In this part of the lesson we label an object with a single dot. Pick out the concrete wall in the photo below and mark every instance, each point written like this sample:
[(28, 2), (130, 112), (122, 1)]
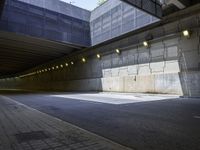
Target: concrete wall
[(171, 65)]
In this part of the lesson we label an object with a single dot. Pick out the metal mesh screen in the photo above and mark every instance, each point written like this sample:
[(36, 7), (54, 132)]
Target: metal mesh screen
[(28, 19), (116, 18)]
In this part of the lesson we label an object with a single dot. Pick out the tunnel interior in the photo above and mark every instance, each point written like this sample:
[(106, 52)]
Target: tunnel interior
[(125, 76)]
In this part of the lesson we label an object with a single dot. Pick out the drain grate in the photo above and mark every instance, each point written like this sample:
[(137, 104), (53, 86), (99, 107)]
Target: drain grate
[(30, 136)]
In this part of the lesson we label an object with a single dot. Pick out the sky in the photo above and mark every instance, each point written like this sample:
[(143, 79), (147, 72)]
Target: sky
[(86, 4)]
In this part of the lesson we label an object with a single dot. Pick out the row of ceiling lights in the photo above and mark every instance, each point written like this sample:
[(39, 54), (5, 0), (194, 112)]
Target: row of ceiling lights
[(62, 66), (185, 33)]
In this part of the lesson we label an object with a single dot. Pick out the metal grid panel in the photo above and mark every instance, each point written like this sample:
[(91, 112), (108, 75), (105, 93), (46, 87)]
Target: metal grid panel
[(23, 18), (116, 20), (61, 8)]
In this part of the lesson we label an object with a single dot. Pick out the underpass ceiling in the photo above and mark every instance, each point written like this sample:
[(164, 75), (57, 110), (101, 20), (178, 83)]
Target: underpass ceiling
[(19, 53)]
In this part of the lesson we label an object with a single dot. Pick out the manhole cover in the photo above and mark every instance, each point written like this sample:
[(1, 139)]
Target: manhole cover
[(30, 136)]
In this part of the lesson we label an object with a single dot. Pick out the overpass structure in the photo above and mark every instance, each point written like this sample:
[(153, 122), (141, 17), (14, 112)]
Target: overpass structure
[(118, 46)]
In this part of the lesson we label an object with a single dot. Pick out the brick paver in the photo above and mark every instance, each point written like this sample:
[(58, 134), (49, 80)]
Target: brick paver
[(24, 128)]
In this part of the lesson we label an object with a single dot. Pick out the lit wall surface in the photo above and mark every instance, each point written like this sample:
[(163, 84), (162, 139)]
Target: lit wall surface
[(48, 19)]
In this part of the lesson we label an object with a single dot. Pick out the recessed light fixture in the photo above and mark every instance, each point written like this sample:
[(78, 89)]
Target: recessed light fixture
[(146, 44), (98, 56), (66, 64), (83, 60), (117, 51), (72, 63), (61, 66), (186, 33)]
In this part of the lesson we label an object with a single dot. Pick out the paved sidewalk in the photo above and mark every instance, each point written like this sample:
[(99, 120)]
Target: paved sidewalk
[(23, 128)]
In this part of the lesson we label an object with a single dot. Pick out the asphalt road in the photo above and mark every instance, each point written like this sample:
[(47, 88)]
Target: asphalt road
[(167, 124)]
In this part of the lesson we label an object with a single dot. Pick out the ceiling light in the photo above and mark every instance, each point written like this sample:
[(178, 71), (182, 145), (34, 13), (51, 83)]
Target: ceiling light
[(61, 66), (66, 64), (72, 62), (49, 69), (53, 68), (57, 67)]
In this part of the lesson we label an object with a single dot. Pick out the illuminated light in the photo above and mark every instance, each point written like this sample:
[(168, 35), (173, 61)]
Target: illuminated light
[(42, 70), (61, 66), (57, 67), (49, 69), (83, 60), (66, 64), (146, 44), (45, 70), (72, 63), (186, 33), (98, 56), (53, 68), (117, 51)]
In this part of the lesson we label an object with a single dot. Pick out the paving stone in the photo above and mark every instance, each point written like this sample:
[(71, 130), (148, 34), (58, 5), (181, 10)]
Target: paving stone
[(23, 128)]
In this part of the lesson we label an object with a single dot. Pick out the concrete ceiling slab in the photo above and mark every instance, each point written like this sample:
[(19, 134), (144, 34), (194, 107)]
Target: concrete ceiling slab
[(19, 52)]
